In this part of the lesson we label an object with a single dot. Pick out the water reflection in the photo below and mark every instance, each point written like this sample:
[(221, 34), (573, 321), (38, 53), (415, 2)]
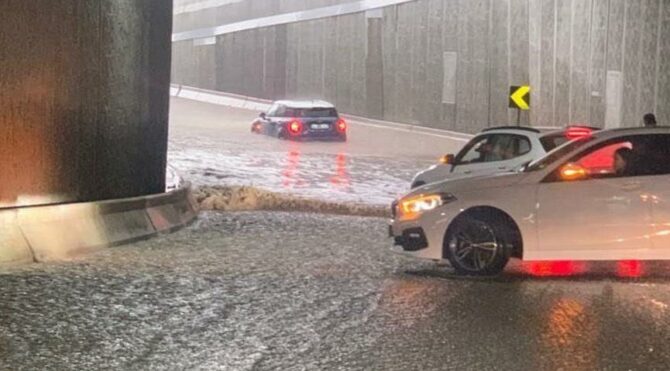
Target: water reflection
[(570, 332), (290, 176), (341, 178), (300, 171)]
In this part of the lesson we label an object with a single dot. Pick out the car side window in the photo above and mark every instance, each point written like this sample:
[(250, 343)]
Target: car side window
[(494, 147), (272, 112), (601, 162), (474, 151), (636, 155)]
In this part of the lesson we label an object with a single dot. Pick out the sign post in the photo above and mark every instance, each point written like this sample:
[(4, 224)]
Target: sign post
[(519, 98)]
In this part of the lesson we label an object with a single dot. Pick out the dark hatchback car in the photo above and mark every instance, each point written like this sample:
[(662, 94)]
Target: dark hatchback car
[(298, 120)]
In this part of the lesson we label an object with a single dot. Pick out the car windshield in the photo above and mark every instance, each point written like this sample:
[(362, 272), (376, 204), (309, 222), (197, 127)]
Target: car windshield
[(557, 154)]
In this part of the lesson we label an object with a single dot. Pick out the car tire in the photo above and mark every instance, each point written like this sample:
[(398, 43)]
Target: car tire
[(477, 246)]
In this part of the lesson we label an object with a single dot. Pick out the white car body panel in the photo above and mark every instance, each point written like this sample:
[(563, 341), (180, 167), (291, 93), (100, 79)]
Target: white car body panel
[(618, 218)]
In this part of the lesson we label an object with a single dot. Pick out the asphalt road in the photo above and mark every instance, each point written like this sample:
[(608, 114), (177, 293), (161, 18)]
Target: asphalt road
[(279, 291), (212, 145)]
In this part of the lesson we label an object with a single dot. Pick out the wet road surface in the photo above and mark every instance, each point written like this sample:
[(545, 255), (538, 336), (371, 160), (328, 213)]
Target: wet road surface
[(278, 291), (212, 145)]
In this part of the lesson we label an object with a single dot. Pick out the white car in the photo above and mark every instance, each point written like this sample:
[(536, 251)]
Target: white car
[(496, 150), (600, 197)]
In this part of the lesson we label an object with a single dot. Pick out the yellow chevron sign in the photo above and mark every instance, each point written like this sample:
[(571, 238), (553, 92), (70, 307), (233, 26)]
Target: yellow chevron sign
[(519, 97)]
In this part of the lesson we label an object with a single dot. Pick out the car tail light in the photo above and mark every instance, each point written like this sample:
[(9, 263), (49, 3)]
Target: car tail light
[(577, 132), (341, 125), (630, 269), (295, 127)]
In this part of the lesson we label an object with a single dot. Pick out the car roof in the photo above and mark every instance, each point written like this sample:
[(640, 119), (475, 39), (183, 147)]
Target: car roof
[(614, 133), (305, 104), (511, 128), (534, 131)]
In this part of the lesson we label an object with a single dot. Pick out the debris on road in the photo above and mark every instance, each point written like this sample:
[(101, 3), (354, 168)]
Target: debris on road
[(242, 198)]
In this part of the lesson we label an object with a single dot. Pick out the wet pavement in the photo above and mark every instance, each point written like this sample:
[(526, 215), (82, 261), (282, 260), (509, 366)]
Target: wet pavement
[(278, 291), (212, 146)]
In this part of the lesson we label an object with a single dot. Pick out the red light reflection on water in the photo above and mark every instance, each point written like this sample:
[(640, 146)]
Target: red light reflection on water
[(289, 178), (341, 177)]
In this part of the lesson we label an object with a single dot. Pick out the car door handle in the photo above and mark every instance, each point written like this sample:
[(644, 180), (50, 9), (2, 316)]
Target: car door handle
[(502, 168), (632, 186), (467, 172)]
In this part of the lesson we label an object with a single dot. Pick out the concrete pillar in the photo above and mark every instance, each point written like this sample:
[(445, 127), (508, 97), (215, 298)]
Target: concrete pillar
[(84, 97), (374, 66)]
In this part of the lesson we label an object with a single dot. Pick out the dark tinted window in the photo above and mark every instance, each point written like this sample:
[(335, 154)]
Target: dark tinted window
[(306, 112), (550, 142)]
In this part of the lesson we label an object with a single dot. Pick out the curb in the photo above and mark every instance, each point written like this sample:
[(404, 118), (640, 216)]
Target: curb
[(258, 104), (59, 232)]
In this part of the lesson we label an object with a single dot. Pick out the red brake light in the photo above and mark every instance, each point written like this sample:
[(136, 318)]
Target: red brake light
[(578, 132), (630, 269), (341, 125), (295, 127)]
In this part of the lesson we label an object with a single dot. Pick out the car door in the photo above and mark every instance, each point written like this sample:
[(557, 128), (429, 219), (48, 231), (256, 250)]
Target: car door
[(655, 166), (491, 153), (606, 216), (269, 122)]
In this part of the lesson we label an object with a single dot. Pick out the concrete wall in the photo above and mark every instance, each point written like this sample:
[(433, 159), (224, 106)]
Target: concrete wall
[(193, 14), (84, 96), (449, 63)]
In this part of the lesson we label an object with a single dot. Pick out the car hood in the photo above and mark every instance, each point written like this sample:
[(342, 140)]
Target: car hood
[(470, 184)]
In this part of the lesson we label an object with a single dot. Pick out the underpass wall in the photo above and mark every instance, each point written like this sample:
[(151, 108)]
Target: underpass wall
[(448, 63)]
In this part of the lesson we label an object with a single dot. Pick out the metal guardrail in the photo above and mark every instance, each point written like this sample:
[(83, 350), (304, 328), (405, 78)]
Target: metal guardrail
[(275, 20)]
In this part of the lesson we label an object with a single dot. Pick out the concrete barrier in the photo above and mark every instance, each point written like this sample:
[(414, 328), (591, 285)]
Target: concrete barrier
[(58, 232)]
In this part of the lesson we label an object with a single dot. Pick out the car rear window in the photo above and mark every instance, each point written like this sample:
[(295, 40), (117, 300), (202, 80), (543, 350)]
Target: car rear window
[(550, 142), (307, 112)]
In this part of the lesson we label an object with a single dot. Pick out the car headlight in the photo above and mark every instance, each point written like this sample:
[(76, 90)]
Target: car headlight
[(412, 207)]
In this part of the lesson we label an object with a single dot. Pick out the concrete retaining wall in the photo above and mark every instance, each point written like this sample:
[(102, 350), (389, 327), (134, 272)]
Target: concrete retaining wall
[(48, 233), (449, 63)]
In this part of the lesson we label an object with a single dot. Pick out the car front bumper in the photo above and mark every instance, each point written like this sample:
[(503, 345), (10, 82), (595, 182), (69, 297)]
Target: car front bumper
[(424, 237)]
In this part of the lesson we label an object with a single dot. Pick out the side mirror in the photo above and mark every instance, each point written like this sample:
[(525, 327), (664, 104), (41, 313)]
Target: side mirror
[(447, 159), (572, 172), (262, 115)]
